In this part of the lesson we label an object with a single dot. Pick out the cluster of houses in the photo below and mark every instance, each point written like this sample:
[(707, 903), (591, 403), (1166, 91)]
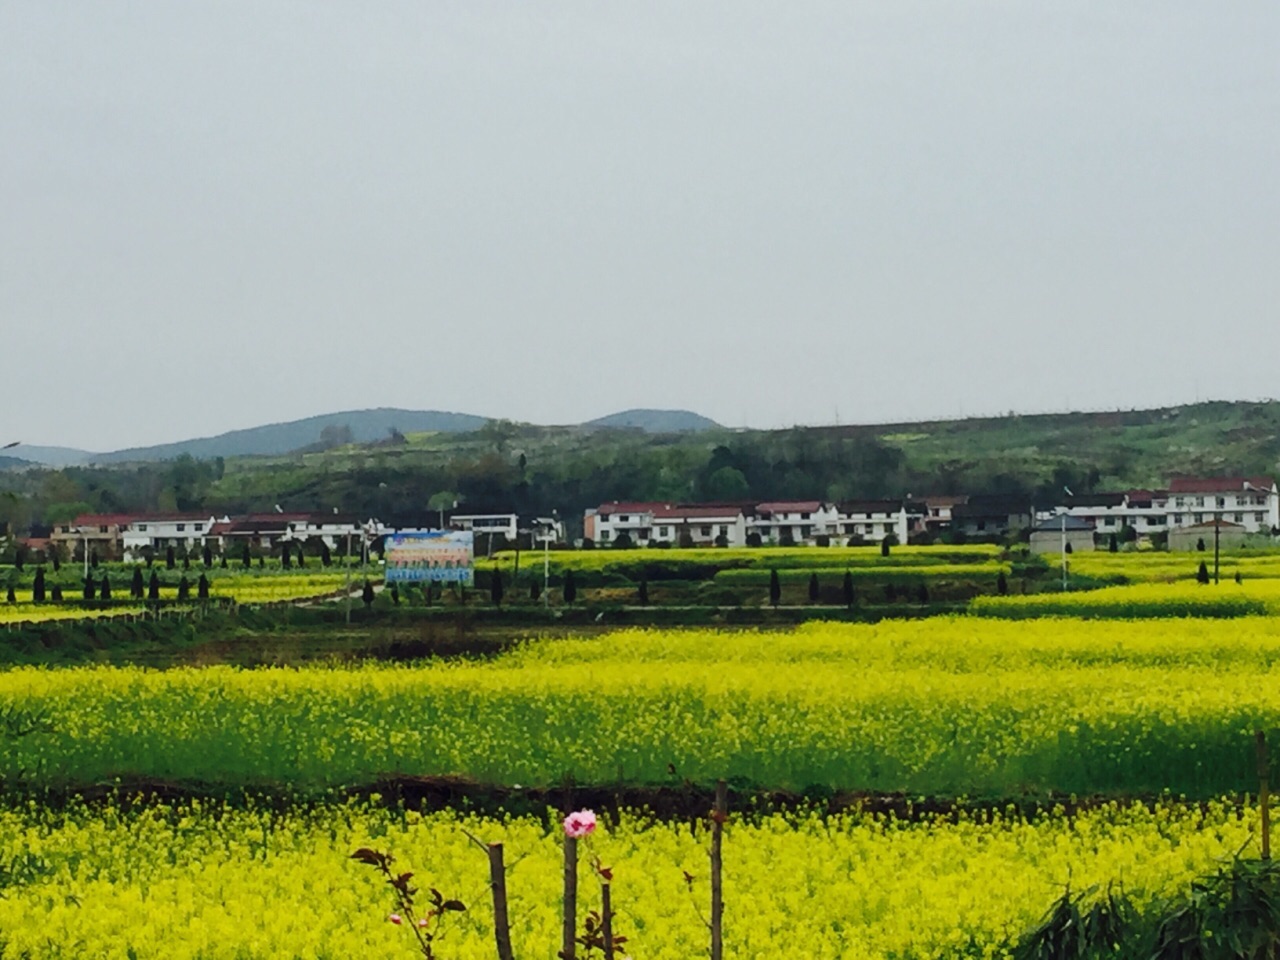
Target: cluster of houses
[(132, 536), (1191, 509), (1190, 513)]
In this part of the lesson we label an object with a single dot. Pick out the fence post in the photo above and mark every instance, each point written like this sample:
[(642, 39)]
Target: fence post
[(569, 950), (718, 817), (1264, 793), (606, 919), (498, 882)]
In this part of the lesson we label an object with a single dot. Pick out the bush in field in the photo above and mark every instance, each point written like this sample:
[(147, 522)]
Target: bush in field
[(366, 595), (136, 588), (495, 588), (1202, 574), (570, 587), (885, 545), (846, 590), (104, 589), (753, 539), (814, 590), (184, 588), (153, 587), (1002, 584), (170, 559), (775, 588), (623, 541), (202, 587), (37, 588), (643, 593)]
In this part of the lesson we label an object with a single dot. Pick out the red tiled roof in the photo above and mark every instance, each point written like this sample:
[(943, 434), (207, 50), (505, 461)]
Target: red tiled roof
[(104, 519), (790, 506), (1217, 484), (696, 511), (630, 507)]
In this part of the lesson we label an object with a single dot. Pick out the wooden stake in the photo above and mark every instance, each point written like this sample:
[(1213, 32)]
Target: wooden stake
[(1264, 793), (718, 817), (606, 919), (498, 883), (569, 948)]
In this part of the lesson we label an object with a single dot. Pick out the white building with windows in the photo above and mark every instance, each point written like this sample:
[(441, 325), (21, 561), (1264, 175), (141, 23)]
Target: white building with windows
[(874, 520), (703, 525), (794, 521), (185, 532), (1249, 502), (333, 530)]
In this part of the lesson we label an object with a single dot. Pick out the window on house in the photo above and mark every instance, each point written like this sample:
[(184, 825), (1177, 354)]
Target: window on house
[(982, 524), (724, 531), (604, 534), (664, 532), (706, 530), (182, 527), (1222, 502), (804, 516), (623, 519), (1239, 518), (1198, 517), (142, 527), (199, 527), (644, 533), (804, 531), (1259, 517)]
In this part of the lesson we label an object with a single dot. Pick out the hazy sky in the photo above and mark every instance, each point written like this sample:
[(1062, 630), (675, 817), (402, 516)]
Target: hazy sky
[(214, 215)]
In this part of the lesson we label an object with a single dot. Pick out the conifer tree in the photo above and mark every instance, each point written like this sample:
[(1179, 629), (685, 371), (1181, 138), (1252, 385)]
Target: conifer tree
[(1202, 575), (37, 587), (90, 589), (495, 587), (137, 589), (56, 593), (813, 588), (244, 555), (184, 588), (170, 560), (153, 588), (202, 587), (643, 592), (104, 591), (367, 595), (846, 590), (775, 589), (570, 587), (207, 556)]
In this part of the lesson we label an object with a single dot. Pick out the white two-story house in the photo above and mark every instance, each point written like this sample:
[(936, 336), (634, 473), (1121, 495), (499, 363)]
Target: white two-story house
[(185, 532), (874, 520), (1250, 502), (794, 521)]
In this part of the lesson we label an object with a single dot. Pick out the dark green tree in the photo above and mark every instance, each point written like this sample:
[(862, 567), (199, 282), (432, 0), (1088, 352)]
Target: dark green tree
[(55, 558), (104, 589), (202, 587), (775, 589), (1200, 544), (90, 588), (495, 587), (847, 591), (302, 557), (223, 562), (884, 546), (535, 590), (93, 559), (184, 588), (37, 587), (1002, 584), (262, 562), (136, 589), (326, 557), (11, 595), (56, 593), (245, 558), (367, 595), (286, 556), (395, 594), (570, 587), (153, 587), (19, 557), (814, 591), (207, 556), (643, 592), (170, 559), (1113, 545), (1202, 575), (186, 560)]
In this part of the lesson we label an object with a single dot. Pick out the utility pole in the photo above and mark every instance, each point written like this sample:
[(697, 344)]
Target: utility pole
[(346, 562), (1217, 534), (1065, 509)]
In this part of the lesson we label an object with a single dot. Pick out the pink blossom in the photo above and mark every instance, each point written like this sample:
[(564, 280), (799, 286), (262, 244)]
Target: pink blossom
[(396, 918), (422, 922), (579, 824)]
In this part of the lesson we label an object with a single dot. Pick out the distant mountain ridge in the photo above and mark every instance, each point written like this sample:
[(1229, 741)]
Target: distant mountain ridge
[(279, 438), (366, 426), (656, 421)]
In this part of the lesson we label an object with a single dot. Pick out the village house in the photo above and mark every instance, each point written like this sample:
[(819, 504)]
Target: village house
[(1250, 502), (1200, 536), (1063, 532), (102, 533), (185, 532), (874, 520), (794, 521), (702, 525)]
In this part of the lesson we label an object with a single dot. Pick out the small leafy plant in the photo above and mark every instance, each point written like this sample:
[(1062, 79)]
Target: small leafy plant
[(425, 925)]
